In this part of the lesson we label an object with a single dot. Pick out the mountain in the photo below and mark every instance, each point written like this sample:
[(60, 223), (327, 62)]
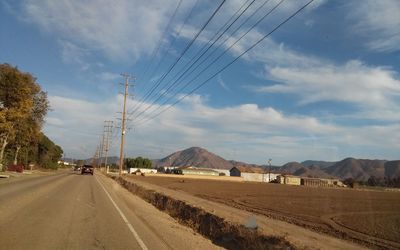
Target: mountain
[(320, 164), (392, 169), (358, 169), (194, 156), (299, 169), (291, 167)]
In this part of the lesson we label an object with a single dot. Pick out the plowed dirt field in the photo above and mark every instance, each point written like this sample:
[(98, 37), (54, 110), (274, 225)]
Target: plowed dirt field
[(367, 216)]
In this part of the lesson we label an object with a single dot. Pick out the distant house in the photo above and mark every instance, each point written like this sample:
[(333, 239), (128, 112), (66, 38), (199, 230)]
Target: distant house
[(198, 171), (143, 170), (253, 174), (224, 172), (320, 182), (289, 179)]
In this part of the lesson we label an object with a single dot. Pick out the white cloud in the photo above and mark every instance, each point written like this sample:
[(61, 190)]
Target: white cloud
[(378, 22), (244, 132), (375, 90), (222, 83), (121, 30), (73, 54), (353, 83), (109, 76)]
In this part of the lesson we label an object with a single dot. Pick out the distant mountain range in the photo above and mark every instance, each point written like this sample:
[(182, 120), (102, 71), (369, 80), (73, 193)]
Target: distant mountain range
[(199, 157), (358, 169)]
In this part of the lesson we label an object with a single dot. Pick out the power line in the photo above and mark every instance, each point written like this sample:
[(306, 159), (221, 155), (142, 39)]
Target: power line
[(155, 51), (216, 59), (184, 51), (170, 45), (229, 64), (203, 53)]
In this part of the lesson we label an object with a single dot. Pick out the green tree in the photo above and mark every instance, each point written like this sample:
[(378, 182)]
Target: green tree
[(138, 162), (23, 106), (48, 153)]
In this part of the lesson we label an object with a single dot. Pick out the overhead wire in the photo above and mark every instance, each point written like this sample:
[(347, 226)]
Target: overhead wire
[(160, 42), (202, 52), (227, 65), (162, 57), (223, 53), (175, 83), (184, 51)]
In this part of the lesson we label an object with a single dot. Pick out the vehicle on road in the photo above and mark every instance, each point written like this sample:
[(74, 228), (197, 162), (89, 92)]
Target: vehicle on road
[(77, 168), (87, 169)]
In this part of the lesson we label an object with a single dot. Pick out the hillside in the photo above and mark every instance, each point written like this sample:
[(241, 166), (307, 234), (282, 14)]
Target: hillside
[(320, 164), (194, 156), (392, 169), (358, 169), (299, 169)]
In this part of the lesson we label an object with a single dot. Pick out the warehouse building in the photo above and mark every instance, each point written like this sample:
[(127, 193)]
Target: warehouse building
[(253, 174), (143, 170), (320, 182), (289, 179), (198, 171), (222, 172)]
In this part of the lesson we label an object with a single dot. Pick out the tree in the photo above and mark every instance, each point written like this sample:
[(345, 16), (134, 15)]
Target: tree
[(349, 182), (23, 108), (372, 181), (138, 162), (48, 153)]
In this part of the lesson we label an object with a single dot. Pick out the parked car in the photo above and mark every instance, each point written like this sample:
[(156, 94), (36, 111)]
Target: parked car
[(87, 169)]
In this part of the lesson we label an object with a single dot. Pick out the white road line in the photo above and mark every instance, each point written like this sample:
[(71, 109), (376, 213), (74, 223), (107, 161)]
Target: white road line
[(133, 231)]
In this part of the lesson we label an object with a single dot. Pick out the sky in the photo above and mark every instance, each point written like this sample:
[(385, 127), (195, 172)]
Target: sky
[(324, 85)]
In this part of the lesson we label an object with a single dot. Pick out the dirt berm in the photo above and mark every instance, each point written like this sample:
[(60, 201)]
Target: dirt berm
[(230, 227)]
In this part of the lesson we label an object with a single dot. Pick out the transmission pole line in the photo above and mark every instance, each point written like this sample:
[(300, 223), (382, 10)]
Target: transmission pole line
[(96, 155), (108, 126), (123, 124), (101, 148)]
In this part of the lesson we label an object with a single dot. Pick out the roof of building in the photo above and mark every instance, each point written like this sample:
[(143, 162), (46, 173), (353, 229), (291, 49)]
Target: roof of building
[(254, 170), (292, 176), (191, 168)]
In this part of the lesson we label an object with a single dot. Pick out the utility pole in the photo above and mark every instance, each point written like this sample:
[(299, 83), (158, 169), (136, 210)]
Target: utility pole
[(101, 145), (108, 126), (123, 129), (96, 155), (269, 170)]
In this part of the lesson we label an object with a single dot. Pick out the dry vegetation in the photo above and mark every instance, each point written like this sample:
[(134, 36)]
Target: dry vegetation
[(371, 217)]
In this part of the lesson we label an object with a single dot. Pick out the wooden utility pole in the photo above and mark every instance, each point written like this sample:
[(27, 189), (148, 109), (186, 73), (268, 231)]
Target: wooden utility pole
[(123, 129)]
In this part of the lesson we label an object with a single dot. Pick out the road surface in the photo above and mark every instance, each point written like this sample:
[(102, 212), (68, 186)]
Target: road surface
[(72, 211)]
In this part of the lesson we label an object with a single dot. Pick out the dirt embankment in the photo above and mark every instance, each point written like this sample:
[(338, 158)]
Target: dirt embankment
[(221, 232)]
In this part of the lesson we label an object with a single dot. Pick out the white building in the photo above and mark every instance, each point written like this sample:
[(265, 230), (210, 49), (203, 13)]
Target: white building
[(226, 172), (143, 170), (253, 174)]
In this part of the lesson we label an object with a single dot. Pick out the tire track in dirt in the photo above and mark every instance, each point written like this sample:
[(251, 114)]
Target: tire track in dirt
[(330, 219), (324, 224)]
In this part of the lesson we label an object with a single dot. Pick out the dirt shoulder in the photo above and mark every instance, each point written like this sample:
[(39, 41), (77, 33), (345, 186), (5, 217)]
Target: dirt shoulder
[(295, 236)]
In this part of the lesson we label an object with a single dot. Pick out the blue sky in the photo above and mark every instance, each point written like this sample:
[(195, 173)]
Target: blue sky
[(324, 86)]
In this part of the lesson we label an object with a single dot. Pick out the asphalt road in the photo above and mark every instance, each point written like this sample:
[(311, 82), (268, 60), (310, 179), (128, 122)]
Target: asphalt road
[(72, 211)]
